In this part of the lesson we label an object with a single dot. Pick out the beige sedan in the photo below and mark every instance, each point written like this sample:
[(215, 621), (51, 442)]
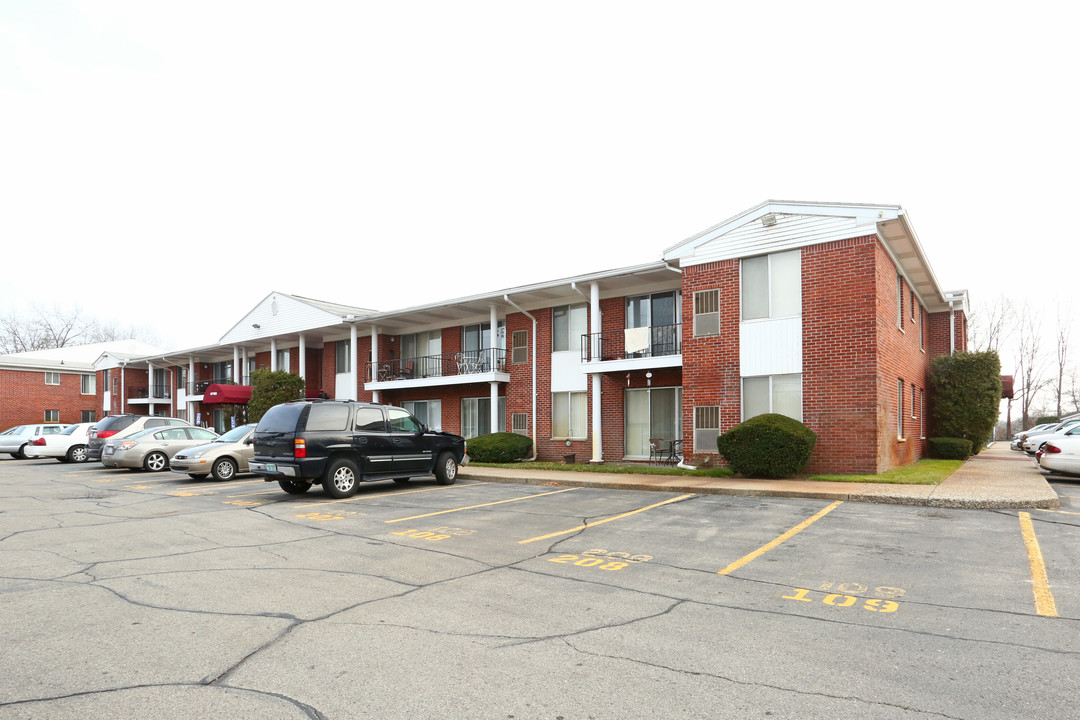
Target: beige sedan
[(152, 449), (222, 458)]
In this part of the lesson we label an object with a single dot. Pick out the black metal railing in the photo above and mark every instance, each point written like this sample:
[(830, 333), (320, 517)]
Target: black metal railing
[(657, 341), (429, 366), (199, 388), (143, 392)]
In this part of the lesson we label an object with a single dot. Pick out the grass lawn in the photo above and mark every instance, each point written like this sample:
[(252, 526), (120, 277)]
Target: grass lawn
[(924, 472)]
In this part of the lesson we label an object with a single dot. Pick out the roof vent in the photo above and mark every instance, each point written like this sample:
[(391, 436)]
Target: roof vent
[(768, 219)]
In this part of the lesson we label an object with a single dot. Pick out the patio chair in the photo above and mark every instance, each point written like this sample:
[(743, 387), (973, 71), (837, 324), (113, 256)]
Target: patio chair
[(658, 450)]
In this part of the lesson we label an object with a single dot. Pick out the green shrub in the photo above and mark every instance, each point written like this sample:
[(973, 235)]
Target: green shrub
[(965, 392), (767, 446), (1046, 419), (950, 448), (272, 388), (500, 447)]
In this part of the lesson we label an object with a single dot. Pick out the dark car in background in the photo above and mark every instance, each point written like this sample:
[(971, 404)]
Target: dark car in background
[(122, 426), (341, 443)]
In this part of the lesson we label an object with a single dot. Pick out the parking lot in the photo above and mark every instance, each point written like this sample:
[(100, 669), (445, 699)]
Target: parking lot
[(131, 594)]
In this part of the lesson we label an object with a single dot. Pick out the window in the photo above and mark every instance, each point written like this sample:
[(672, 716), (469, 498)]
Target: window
[(327, 416), (922, 331), (115, 384), (222, 372), (520, 346), (569, 415), (282, 360), (343, 356), (369, 419), (913, 304), (88, 384), (706, 428), (52, 378), (922, 414), (520, 423), (771, 286), (428, 412), (424, 351), (52, 416), (88, 416), (781, 394), (914, 401), (568, 324), (900, 409), (476, 417), (706, 313), (900, 302)]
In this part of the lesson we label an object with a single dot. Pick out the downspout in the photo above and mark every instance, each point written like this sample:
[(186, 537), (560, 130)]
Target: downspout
[(123, 387), (952, 329), (522, 310)]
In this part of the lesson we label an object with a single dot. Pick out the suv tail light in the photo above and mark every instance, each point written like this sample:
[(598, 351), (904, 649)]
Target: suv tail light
[(299, 448), (1051, 448), (39, 442), (106, 433)]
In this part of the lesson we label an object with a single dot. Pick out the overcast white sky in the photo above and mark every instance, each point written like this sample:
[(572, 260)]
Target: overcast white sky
[(170, 164)]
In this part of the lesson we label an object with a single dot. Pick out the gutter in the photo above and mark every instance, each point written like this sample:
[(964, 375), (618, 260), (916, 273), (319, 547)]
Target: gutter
[(536, 449)]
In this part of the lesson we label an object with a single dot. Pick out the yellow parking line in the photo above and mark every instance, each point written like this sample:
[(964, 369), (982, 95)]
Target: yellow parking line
[(606, 520), (399, 492), (1040, 585), (473, 507), (1061, 512), (786, 536), (264, 492)]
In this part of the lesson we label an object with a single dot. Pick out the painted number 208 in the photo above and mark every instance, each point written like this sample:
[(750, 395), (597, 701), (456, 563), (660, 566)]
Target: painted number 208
[(595, 562)]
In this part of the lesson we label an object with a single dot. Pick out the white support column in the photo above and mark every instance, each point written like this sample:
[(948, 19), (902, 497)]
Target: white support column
[(150, 389), (376, 395), (273, 354), (190, 390), (303, 358), (594, 378), (354, 387), (493, 351), (244, 370), (236, 364)]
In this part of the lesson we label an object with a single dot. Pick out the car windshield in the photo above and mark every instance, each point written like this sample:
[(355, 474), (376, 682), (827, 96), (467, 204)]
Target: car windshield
[(13, 431), (69, 430), (235, 435)]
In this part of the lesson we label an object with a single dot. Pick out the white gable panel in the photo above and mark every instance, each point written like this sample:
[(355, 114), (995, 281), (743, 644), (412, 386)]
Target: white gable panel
[(789, 232), (279, 314)]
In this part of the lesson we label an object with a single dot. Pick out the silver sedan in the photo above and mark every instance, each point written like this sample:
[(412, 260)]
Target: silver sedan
[(152, 449)]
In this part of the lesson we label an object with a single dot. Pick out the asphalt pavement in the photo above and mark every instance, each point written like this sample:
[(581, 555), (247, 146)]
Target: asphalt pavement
[(995, 478)]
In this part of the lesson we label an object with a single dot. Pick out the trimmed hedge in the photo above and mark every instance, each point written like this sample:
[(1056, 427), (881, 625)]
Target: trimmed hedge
[(500, 447), (950, 448), (272, 388), (965, 392), (768, 446)]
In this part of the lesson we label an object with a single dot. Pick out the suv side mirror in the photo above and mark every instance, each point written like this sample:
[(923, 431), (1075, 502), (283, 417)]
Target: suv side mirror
[(423, 428)]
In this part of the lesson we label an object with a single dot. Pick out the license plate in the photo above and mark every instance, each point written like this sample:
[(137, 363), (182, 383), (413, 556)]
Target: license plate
[(270, 467)]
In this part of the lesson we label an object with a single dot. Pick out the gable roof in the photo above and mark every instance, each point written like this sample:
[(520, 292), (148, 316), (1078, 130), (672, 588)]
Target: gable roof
[(281, 313), (779, 225)]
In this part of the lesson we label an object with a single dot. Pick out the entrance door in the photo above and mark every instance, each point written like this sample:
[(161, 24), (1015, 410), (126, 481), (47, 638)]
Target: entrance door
[(651, 413)]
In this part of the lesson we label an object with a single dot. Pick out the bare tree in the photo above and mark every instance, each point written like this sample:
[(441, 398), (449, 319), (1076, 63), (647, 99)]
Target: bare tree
[(989, 323), (1064, 330), (1031, 365), (45, 329)]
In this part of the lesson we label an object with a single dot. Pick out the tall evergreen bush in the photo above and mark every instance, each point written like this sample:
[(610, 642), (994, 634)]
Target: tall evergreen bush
[(965, 392), (270, 388)]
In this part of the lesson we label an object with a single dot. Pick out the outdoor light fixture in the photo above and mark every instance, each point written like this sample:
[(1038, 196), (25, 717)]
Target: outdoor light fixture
[(768, 219), (256, 325)]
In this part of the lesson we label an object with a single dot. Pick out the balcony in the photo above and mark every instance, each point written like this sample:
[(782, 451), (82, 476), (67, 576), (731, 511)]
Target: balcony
[(434, 370), (146, 394), (635, 348)]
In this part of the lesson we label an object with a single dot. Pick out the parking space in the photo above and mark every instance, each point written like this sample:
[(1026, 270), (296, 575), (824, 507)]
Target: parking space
[(737, 592)]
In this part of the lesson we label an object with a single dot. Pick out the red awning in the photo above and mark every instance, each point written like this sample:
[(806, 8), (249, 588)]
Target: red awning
[(227, 394)]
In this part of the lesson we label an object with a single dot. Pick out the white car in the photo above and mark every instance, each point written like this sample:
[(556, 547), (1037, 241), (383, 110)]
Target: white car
[(68, 445), (1066, 429), (1060, 455), (1018, 437), (14, 440)]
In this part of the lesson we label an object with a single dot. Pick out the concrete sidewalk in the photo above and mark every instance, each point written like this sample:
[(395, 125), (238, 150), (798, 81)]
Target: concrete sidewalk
[(995, 478)]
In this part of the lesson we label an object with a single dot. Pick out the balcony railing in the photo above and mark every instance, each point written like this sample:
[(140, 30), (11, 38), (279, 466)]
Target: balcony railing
[(657, 341), (143, 392), (471, 362)]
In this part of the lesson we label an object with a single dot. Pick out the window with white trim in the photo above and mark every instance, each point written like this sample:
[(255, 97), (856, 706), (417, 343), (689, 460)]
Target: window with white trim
[(706, 427), (342, 356), (52, 378), (900, 301), (476, 416), (283, 360), (519, 347), (900, 408), (568, 324), (428, 412), (770, 286), (569, 415), (52, 416), (88, 384), (706, 313), (781, 394), (88, 416)]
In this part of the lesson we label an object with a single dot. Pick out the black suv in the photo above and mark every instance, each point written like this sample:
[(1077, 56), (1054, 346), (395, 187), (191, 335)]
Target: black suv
[(342, 443)]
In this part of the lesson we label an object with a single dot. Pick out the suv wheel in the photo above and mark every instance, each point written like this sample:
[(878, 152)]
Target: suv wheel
[(446, 469), (340, 480)]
